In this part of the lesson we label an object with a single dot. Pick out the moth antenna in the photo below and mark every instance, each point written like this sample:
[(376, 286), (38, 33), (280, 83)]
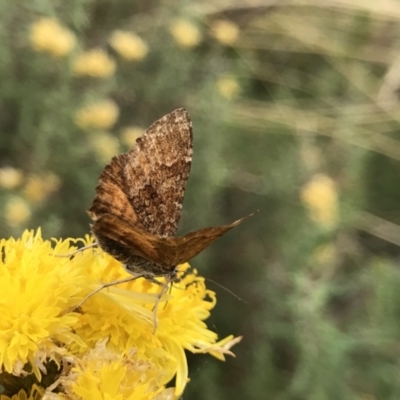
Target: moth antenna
[(227, 290)]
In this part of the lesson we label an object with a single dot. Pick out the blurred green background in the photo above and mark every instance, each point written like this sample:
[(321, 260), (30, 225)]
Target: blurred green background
[(295, 108)]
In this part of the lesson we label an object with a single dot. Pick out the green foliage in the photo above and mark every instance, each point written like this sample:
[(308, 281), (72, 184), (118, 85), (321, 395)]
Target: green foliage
[(296, 117)]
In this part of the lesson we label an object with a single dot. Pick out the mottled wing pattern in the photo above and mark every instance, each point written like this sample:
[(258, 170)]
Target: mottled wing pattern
[(110, 193), (146, 186), (168, 252)]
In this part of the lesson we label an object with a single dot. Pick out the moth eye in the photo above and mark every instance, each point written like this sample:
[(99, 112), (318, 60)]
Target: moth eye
[(153, 195)]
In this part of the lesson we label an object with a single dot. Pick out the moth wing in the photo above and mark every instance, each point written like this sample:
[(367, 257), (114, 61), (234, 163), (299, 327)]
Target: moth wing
[(138, 242), (146, 186), (168, 252), (188, 246), (111, 193)]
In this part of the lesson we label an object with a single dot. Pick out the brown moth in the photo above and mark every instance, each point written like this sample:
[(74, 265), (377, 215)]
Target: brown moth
[(139, 200)]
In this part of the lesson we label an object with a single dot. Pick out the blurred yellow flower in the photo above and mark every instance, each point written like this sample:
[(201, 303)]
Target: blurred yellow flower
[(319, 195), (128, 45), (49, 36), (10, 177), (101, 115), (228, 86), (225, 31), (130, 134), (17, 211), (39, 187), (96, 63), (185, 33), (105, 146), (110, 342)]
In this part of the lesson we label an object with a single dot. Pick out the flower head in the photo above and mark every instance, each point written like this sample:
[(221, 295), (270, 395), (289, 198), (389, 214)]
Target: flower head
[(10, 177), (185, 33), (226, 32), (17, 211), (228, 86), (105, 146), (109, 344), (319, 195), (49, 36), (102, 373), (128, 45), (101, 115), (115, 313), (32, 324), (96, 63), (39, 187)]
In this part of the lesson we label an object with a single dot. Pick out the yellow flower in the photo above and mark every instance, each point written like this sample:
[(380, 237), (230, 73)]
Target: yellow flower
[(128, 45), (225, 31), (38, 188), (228, 86), (101, 373), (105, 146), (17, 211), (10, 177), (185, 33), (101, 115), (319, 195), (109, 342), (49, 36), (130, 134), (95, 63), (115, 313), (35, 287)]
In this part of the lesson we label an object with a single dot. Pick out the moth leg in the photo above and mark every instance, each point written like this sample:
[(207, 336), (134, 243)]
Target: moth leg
[(105, 285), (164, 289), (171, 284), (89, 246)]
